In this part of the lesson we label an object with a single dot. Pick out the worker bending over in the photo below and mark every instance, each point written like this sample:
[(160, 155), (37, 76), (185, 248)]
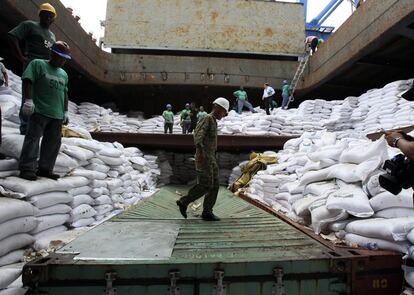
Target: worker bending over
[(168, 116), (45, 100), (37, 39), (185, 119), (267, 97), (205, 140), (242, 100)]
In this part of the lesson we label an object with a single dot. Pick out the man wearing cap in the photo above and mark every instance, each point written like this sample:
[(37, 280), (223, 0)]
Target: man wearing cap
[(205, 140), (46, 102), (168, 116), (185, 119), (36, 39), (285, 94)]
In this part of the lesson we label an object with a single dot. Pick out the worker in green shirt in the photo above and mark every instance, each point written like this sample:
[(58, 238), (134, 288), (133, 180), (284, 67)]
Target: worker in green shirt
[(45, 100), (168, 116), (242, 101), (285, 94), (205, 140), (185, 118), (37, 39), (201, 114)]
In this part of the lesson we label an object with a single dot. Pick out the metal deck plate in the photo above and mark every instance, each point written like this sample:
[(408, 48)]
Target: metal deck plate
[(125, 241)]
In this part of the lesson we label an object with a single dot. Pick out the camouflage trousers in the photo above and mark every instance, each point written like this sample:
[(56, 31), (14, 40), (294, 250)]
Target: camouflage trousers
[(207, 184)]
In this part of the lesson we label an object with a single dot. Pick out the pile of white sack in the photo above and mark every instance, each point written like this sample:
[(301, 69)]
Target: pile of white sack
[(179, 168), (329, 182), (98, 180)]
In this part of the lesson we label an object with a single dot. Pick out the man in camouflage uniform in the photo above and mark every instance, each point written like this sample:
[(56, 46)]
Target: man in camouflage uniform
[(205, 140)]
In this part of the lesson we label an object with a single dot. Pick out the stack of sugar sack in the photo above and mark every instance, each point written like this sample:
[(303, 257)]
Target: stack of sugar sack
[(156, 125), (340, 116), (183, 168), (11, 280), (139, 175), (17, 220), (95, 118), (234, 123), (226, 162), (387, 109), (236, 172), (50, 197), (12, 146), (165, 168)]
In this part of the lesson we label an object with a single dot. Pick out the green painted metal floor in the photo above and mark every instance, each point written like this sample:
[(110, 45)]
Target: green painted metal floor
[(245, 233)]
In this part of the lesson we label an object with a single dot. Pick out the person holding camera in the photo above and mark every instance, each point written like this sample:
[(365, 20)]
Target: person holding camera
[(401, 141)]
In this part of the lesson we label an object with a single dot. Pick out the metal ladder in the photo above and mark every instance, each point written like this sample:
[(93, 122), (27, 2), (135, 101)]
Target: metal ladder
[(303, 61)]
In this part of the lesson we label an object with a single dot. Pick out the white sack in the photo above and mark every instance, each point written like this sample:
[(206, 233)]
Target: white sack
[(15, 242), (17, 225), (11, 208)]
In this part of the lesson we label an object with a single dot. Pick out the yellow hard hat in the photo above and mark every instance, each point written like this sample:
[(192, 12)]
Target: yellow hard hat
[(47, 7)]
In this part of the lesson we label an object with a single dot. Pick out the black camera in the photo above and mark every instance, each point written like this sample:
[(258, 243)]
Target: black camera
[(400, 174)]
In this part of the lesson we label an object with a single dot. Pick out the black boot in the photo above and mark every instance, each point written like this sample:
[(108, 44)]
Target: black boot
[(28, 175), (47, 174), (183, 208), (209, 217)]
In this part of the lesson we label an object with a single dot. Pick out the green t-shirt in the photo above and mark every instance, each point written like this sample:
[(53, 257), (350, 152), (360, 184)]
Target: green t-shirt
[(185, 115), (37, 40), (201, 115), (49, 87), (168, 116), (285, 90), (240, 94)]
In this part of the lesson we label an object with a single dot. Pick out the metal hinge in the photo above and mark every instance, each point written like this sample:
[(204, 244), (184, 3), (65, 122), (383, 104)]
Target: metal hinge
[(278, 286), (219, 288), (173, 289), (109, 279)]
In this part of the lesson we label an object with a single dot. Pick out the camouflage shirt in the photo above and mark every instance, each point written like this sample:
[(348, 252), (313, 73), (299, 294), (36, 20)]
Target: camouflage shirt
[(205, 137)]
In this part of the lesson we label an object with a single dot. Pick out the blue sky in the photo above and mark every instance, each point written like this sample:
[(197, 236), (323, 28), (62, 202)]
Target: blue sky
[(93, 11)]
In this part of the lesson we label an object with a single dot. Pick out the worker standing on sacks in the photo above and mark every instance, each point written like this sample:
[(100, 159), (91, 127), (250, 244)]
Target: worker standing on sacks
[(45, 86), (185, 118), (205, 140), (37, 39), (267, 97), (285, 94), (168, 116)]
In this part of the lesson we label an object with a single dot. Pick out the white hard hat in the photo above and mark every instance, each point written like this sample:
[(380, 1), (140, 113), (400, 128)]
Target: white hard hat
[(224, 103), (1, 58)]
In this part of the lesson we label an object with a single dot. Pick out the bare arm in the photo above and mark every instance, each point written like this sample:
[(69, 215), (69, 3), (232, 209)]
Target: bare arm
[(14, 44), (66, 101), (27, 89), (6, 78), (406, 146)]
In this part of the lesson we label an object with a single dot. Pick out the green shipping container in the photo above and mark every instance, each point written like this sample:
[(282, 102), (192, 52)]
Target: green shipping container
[(151, 250)]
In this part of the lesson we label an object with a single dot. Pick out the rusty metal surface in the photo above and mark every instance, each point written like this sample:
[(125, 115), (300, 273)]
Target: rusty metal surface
[(214, 25), (370, 272), (377, 135), (185, 142), (375, 25)]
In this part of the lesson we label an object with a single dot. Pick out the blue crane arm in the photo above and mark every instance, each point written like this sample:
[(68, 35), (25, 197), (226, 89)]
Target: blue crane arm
[(326, 12)]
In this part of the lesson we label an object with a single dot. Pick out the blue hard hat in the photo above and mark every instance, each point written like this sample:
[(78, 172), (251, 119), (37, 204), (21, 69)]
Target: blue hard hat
[(285, 81), (169, 106)]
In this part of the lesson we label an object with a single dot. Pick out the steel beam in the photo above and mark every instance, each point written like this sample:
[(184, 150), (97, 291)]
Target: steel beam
[(185, 142)]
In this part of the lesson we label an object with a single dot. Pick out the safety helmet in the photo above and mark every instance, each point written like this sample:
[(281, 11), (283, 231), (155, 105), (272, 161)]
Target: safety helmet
[(47, 7), (187, 105), (1, 58), (224, 103), (62, 49), (285, 81), (169, 106)]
